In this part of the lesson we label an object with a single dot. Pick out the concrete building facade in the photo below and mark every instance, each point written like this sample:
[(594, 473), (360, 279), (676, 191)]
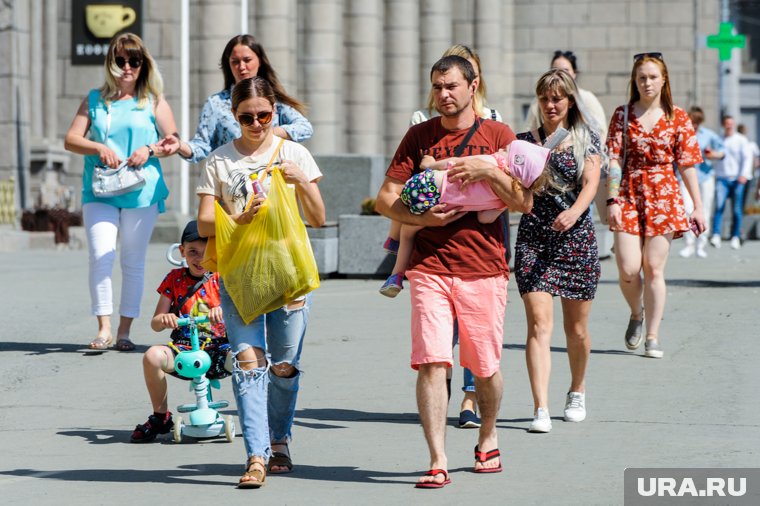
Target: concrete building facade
[(362, 66)]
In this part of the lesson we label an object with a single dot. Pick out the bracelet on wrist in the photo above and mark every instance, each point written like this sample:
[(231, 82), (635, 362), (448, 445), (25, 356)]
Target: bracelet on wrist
[(613, 200)]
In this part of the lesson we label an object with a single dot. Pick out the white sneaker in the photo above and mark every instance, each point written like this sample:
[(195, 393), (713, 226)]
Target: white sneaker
[(541, 422), (575, 407), (687, 251), (715, 240), (736, 243), (701, 253)]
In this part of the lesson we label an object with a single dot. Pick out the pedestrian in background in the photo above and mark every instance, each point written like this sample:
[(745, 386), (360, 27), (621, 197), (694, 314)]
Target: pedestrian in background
[(711, 146), (732, 173), (244, 57)]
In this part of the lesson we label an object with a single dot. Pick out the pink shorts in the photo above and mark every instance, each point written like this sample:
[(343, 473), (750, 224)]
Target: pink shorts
[(478, 306)]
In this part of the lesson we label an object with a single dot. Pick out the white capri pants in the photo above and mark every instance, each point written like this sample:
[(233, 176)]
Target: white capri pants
[(103, 224)]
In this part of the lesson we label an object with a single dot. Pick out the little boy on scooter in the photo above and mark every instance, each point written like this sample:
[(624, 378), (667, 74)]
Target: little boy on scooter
[(192, 291)]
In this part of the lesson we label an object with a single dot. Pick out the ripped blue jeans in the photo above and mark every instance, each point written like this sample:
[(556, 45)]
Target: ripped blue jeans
[(266, 402)]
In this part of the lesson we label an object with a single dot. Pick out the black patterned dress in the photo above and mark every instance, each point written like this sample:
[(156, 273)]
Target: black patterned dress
[(559, 263)]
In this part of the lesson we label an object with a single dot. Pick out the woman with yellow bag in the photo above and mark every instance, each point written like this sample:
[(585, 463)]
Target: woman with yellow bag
[(236, 178)]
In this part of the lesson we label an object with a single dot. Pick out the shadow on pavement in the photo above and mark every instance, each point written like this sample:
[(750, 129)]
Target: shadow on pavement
[(699, 283), (557, 349), (190, 475), (350, 415), (194, 474), (31, 348), (111, 436)]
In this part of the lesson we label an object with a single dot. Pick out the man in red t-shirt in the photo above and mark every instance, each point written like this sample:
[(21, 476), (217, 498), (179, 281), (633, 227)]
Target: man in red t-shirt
[(457, 270)]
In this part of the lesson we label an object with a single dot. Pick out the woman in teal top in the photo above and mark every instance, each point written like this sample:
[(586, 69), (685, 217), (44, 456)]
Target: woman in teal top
[(125, 119)]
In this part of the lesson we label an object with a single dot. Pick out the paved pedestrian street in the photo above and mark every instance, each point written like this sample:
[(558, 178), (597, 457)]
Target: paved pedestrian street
[(66, 413)]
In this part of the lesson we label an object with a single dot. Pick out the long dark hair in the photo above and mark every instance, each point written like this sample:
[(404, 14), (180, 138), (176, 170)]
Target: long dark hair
[(265, 70)]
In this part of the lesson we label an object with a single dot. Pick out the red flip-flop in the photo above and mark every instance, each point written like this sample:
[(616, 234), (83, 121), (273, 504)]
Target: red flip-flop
[(485, 457), (432, 484)]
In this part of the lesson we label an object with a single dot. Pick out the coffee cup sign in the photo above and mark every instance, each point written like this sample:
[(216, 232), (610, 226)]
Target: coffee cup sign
[(104, 21)]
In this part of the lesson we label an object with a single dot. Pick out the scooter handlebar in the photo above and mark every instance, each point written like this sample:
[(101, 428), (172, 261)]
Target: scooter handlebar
[(188, 320)]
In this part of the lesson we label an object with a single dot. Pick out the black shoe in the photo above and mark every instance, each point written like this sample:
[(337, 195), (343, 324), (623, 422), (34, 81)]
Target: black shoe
[(147, 432)]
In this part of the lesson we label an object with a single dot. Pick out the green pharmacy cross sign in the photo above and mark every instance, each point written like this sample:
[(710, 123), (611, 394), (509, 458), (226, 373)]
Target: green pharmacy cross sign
[(725, 40)]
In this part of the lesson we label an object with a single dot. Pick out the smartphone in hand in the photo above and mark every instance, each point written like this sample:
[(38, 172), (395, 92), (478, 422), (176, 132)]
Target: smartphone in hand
[(694, 227)]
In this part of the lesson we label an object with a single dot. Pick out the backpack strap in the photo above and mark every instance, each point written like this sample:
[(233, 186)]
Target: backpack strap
[(197, 286), (460, 149)]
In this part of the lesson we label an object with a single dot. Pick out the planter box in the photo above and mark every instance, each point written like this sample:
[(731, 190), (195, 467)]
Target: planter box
[(324, 243), (361, 241), (349, 179)]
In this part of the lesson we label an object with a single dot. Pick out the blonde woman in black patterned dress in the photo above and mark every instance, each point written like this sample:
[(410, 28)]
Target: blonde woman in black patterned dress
[(556, 252)]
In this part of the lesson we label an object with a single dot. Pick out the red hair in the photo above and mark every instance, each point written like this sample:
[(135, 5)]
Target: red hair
[(666, 97)]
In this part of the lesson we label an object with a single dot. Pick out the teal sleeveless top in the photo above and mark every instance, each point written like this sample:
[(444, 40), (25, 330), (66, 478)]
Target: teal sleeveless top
[(131, 128)]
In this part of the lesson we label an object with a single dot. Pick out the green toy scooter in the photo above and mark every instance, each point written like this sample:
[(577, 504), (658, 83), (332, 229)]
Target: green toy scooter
[(204, 419)]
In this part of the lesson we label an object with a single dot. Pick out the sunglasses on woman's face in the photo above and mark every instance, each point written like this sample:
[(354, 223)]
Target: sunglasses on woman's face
[(640, 56), (133, 61), (246, 119)]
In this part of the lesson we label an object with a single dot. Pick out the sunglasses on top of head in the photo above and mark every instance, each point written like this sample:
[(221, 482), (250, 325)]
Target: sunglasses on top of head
[(134, 62), (246, 119), (641, 56)]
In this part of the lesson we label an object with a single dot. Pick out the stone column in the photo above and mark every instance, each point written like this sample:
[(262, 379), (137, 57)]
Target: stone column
[(50, 95), (217, 22), (17, 122), (364, 73), (323, 72), (463, 12), (36, 66), (504, 97), (402, 75), (275, 28), (435, 37), (488, 44)]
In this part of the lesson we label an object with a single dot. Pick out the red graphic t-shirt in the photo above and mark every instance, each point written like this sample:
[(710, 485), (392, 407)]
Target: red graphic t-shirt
[(465, 248), (178, 283)]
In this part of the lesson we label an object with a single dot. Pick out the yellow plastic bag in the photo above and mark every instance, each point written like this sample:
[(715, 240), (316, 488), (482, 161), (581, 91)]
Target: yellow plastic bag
[(269, 262), (209, 256)]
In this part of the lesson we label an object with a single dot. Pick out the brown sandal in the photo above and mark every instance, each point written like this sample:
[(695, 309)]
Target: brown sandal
[(281, 459), (258, 473), (124, 344)]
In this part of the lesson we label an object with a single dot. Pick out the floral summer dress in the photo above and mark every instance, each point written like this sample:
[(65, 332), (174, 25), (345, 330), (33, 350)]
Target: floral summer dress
[(559, 263), (651, 199)]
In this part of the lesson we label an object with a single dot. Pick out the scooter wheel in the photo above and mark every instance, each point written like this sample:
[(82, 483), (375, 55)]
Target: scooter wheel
[(178, 430), (229, 428)]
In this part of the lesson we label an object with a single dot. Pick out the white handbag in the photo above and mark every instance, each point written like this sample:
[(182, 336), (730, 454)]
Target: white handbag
[(108, 182)]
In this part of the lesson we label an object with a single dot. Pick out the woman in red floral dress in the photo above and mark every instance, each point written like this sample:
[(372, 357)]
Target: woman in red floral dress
[(645, 207)]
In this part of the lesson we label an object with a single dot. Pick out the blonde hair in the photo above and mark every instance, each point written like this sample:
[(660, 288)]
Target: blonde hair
[(149, 82), (578, 124), (479, 97)]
